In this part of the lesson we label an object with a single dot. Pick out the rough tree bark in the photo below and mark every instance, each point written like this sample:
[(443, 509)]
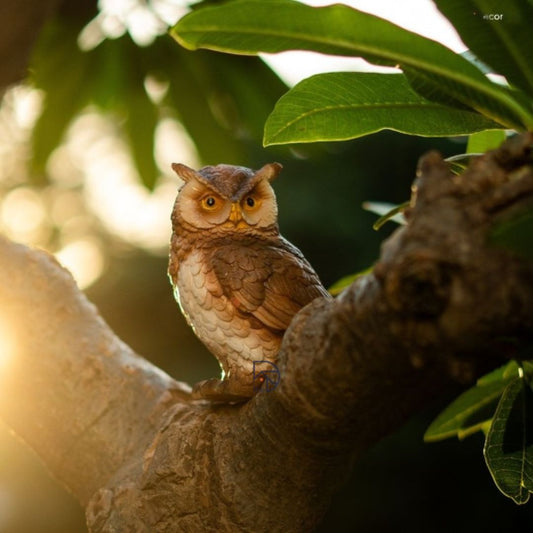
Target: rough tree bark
[(133, 447)]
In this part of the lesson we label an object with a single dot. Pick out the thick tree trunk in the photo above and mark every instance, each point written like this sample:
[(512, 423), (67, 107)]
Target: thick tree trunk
[(135, 449)]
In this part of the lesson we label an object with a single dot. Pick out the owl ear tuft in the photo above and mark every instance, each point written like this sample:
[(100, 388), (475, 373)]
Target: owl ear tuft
[(184, 172), (268, 172)]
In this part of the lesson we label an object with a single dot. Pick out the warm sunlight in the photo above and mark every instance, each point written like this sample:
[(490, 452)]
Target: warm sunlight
[(84, 259), (113, 191), (7, 342), (22, 214), (92, 180)]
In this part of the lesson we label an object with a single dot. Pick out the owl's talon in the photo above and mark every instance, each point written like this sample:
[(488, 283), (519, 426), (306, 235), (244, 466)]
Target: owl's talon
[(217, 390)]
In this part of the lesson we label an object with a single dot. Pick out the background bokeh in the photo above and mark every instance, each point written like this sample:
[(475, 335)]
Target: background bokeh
[(89, 190)]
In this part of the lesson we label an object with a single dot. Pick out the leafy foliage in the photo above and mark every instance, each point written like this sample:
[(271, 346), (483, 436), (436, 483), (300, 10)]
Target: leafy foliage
[(473, 409), (220, 102), (505, 47), (509, 444), (436, 73), (501, 405)]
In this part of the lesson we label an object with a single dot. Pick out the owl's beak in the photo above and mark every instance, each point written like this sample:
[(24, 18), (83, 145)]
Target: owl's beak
[(235, 215)]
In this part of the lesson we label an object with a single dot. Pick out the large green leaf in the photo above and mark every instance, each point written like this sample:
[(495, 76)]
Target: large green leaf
[(252, 26), (509, 445), (498, 34), (222, 101), (505, 372), (344, 105)]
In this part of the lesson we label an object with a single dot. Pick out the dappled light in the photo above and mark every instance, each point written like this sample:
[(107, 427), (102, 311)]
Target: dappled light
[(112, 189), (19, 109), (143, 21), (84, 259), (22, 215), (93, 187)]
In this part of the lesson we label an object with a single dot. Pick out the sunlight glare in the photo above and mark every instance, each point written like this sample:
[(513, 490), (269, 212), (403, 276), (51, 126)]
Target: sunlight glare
[(113, 190), (174, 145), (155, 88), (84, 259), (7, 342), (28, 105), (22, 215), (144, 21), (19, 109)]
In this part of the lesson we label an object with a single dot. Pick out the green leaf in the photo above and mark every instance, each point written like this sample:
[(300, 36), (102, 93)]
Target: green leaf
[(509, 444), (110, 76), (467, 413), (516, 234), (346, 281), (222, 101), (251, 26), (480, 142), (505, 43), (345, 105)]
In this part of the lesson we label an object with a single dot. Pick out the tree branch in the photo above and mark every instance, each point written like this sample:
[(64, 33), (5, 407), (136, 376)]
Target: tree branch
[(70, 388), (129, 441)]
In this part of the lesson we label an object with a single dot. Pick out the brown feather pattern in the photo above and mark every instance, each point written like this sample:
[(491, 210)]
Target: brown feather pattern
[(238, 282)]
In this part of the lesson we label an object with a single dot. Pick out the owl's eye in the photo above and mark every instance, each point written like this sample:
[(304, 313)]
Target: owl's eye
[(209, 203), (250, 202)]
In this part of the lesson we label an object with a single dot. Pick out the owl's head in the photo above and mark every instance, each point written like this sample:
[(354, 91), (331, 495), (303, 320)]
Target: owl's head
[(227, 197)]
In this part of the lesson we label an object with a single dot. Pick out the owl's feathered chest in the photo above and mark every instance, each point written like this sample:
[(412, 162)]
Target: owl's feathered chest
[(235, 337), (240, 294)]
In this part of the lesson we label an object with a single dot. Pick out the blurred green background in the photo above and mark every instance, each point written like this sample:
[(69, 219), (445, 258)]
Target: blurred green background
[(86, 145)]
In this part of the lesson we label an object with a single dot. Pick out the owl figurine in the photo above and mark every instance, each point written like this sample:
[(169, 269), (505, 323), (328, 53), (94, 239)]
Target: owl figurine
[(237, 281)]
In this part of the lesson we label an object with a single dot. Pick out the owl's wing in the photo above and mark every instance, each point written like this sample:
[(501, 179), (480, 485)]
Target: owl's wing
[(271, 282)]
